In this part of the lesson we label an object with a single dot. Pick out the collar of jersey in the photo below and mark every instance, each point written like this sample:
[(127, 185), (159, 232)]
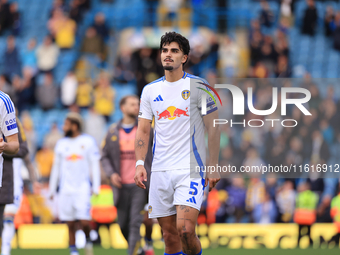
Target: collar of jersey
[(183, 77)]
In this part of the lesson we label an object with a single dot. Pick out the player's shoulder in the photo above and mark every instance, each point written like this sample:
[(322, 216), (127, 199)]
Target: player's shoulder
[(197, 79), (154, 83), (61, 143), (87, 139), (6, 103)]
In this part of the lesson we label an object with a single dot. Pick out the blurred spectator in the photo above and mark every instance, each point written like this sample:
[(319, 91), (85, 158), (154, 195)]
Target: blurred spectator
[(335, 27), (15, 19), (104, 96), (229, 57), (268, 54), (47, 55), (44, 160), (271, 185), (328, 20), (266, 212), (5, 15), (147, 67), (12, 64), (255, 47), (63, 29), (85, 5), (69, 89), (255, 194), (237, 198), (266, 15), (84, 98), (100, 26), (47, 93), (28, 56), (285, 200), (320, 149), (286, 10), (309, 19), (124, 67), (305, 214), (28, 126), (283, 69), (58, 5), (172, 8), (23, 94), (53, 136), (93, 46), (315, 101), (327, 132), (95, 126), (8, 89), (75, 12)]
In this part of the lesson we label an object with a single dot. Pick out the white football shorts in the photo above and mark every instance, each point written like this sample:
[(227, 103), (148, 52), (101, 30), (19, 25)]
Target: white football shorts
[(73, 207), (13, 208), (171, 188)]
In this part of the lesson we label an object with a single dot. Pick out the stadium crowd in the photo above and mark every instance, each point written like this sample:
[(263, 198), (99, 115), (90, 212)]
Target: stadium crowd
[(29, 78)]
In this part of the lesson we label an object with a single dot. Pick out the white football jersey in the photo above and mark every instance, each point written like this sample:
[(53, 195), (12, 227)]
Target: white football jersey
[(76, 160), (179, 127), (8, 124)]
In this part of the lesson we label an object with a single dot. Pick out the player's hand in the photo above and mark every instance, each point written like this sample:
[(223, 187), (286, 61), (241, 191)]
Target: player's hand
[(140, 176), (2, 145), (212, 179), (116, 180)]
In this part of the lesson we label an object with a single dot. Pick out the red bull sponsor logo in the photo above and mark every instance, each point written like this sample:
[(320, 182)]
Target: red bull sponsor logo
[(74, 157), (172, 113)]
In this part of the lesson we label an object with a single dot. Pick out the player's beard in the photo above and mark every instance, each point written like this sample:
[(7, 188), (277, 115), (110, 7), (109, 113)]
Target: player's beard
[(168, 68), (132, 115), (68, 133)]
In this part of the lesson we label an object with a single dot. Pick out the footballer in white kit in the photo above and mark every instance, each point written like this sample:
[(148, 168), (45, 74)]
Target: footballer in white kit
[(174, 101), (9, 129), (178, 127), (76, 170)]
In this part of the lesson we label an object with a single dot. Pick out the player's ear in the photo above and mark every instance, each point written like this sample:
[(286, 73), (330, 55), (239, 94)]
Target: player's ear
[(184, 59)]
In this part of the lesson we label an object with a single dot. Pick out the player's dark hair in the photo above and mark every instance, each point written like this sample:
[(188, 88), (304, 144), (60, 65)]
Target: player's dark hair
[(124, 99), (183, 42)]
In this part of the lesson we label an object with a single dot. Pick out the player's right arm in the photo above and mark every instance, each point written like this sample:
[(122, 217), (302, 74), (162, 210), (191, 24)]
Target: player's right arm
[(143, 136), (141, 149), (8, 127)]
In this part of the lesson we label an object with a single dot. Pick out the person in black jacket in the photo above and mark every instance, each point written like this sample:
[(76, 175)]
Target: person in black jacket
[(118, 162), (310, 19)]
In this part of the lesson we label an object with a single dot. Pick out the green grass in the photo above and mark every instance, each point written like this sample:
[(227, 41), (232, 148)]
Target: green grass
[(217, 251)]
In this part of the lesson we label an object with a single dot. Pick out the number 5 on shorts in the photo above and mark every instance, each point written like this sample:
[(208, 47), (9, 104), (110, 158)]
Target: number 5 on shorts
[(193, 186)]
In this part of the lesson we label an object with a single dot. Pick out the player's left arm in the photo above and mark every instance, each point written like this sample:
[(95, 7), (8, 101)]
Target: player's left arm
[(23, 146), (9, 129), (213, 147), (95, 167)]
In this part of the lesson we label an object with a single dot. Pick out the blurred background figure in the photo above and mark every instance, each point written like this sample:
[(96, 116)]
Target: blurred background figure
[(305, 211)]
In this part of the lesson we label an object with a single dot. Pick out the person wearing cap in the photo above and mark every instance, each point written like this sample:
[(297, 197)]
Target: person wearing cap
[(76, 160)]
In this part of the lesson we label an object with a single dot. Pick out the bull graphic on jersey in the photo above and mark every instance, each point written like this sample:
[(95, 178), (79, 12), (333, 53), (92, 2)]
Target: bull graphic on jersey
[(172, 113)]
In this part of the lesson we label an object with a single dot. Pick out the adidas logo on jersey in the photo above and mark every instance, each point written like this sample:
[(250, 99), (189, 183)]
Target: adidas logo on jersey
[(192, 200), (159, 98)]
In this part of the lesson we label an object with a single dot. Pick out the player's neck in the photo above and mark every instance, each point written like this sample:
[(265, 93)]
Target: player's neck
[(175, 75), (75, 135), (128, 120)]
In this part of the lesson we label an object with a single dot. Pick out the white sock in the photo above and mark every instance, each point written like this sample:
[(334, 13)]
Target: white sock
[(8, 233)]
